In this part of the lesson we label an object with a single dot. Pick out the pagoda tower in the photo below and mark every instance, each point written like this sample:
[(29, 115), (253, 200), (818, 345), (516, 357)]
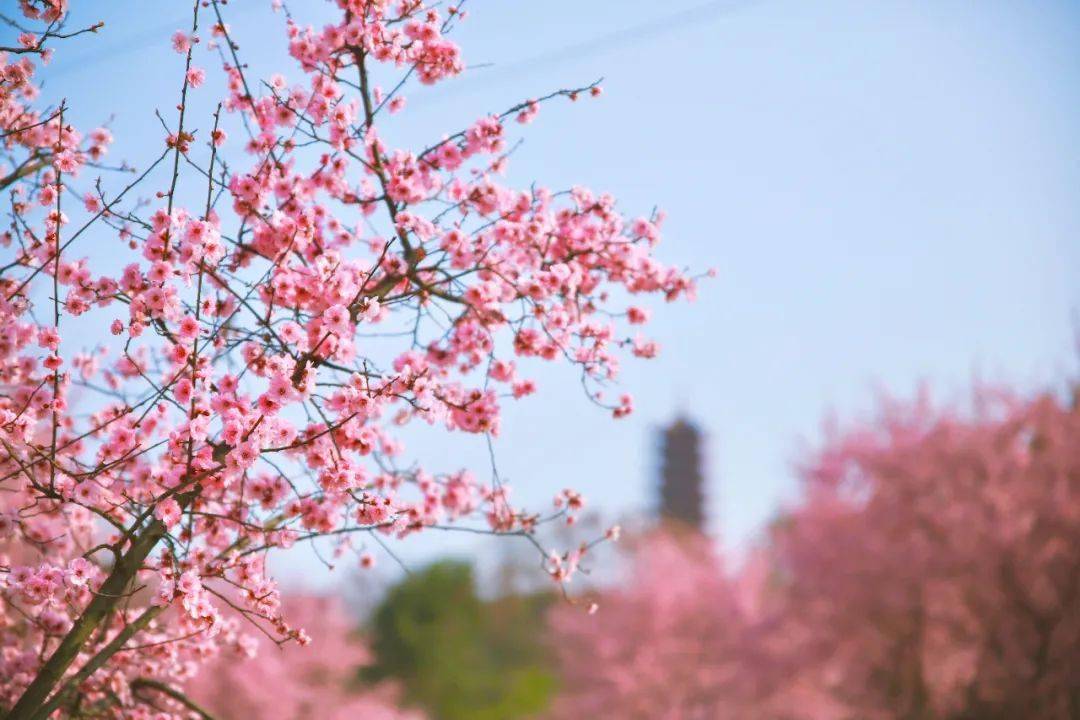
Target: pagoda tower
[(682, 481)]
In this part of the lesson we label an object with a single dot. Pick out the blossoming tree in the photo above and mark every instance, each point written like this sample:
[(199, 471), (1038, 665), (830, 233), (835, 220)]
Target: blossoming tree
[(293, 682), (663, 645), (934, 569), (242, 403), (932, 572)]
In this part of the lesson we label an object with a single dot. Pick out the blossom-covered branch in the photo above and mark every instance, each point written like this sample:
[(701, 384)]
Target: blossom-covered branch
[(268, 342)]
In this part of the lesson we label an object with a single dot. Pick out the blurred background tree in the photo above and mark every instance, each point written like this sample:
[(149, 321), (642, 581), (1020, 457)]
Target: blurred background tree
[(255, 677), (460, 656), (930, 570)]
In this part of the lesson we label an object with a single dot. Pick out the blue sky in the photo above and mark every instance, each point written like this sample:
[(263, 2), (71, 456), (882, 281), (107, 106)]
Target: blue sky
[(888, 191)]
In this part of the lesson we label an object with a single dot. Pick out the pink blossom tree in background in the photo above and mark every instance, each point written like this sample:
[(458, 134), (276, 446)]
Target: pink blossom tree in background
[(284, 290), (294, 681), (934, 569), (665, 645), (931, 572)]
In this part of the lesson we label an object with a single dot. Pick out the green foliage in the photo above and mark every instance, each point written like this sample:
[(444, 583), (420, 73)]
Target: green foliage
[(458, 656)]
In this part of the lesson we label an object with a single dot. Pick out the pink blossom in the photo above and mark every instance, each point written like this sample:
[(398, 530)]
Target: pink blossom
[(181, 42), (168, 512)]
